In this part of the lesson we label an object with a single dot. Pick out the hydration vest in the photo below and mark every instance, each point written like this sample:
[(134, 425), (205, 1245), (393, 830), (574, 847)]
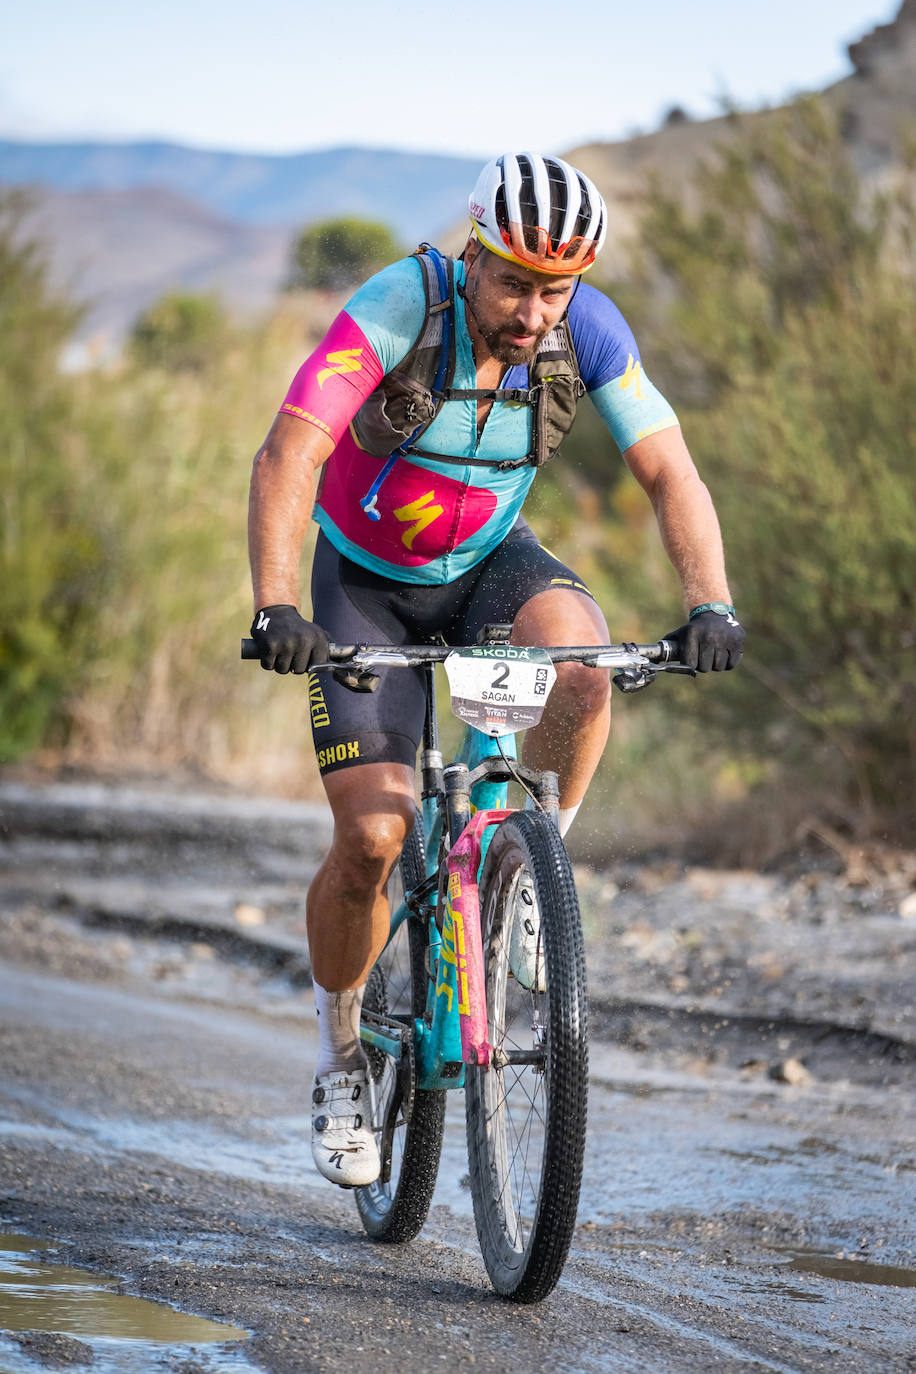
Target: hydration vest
[(408, 399)]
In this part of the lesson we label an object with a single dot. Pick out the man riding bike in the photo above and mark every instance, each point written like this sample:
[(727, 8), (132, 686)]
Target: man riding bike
[(411, 435)]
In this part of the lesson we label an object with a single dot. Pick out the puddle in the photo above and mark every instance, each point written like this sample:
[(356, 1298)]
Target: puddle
[(850, 1270), (121, 1332)]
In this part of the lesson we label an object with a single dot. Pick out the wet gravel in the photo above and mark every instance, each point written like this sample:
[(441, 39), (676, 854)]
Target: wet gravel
[(155, 1037)]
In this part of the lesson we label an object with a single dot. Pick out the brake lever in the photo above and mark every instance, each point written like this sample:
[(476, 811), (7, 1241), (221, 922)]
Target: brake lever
[(633, 679), (360, 680)]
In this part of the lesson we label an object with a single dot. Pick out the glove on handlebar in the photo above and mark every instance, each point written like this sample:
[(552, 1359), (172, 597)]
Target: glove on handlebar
[(710, 642), (286, 641)]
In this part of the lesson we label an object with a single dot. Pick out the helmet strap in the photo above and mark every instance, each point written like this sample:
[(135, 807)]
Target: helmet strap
[(576, 285)]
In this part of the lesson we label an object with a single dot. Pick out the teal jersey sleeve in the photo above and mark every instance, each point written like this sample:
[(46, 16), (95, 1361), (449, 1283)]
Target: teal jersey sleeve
[(390, 309), (632, 407)]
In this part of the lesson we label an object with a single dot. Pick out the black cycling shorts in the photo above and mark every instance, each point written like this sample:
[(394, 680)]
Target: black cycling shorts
[(356, 606)]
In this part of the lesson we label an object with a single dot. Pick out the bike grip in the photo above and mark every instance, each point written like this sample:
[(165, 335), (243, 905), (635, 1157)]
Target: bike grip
[(337, 653)]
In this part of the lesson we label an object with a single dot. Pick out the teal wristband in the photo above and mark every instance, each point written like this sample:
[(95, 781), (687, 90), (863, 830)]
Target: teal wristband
[(720, 608)]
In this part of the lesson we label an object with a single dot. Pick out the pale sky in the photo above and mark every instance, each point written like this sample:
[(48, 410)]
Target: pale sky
[(278, 76)]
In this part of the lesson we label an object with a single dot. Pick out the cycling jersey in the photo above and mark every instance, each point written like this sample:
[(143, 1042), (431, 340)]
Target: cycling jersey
[(438, 520)]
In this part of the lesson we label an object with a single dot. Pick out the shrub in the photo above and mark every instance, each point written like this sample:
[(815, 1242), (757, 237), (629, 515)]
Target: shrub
[(337, 254)]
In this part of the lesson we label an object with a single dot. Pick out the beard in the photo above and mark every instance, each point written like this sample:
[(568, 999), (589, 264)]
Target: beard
[(496, 338), (510, 354)]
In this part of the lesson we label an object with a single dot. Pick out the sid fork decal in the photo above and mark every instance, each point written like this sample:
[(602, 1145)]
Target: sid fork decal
[(462, 947)]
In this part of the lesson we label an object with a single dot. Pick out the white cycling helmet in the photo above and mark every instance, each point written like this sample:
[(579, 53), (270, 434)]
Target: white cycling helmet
[(539, 212)]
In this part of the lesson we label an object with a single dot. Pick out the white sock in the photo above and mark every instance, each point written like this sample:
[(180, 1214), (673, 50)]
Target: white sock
[(565, 818), (339, 1047)]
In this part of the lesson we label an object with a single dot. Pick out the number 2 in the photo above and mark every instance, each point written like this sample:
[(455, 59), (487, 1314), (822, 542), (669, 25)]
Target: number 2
[(502, 675)]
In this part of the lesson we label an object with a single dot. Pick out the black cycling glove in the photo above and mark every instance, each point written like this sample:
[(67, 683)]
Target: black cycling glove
[(711, 641), (287, 642)]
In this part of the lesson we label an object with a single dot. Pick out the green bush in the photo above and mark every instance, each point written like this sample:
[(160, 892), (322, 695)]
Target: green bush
[(49, 530), (182, 332), (787, 345), (124, 585), (337, 254)]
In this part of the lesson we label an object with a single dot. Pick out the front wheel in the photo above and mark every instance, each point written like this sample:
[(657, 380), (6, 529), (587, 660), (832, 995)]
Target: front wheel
[(526, 1113), (408, 1122)]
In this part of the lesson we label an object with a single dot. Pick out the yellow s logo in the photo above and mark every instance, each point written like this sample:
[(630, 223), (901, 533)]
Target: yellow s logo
[(421, 513), (344, 360), (632, 377)]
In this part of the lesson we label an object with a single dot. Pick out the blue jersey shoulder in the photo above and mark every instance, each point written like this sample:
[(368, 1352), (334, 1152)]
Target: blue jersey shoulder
[(604, 342)]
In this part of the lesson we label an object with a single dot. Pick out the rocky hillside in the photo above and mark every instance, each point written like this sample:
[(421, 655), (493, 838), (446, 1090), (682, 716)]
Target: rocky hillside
[(876, 105)]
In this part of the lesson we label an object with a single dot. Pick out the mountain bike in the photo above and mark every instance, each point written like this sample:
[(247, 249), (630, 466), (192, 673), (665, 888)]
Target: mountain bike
[(482, 983)]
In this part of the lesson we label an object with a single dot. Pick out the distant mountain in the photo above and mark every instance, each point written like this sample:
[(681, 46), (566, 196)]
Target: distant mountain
[(115, 252), (415, 194), (126, 222), (875, 105)]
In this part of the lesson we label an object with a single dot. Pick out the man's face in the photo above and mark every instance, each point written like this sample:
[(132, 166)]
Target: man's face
[(512, 307)]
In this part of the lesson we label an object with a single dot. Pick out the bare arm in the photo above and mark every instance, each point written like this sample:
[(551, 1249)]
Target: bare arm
[(685, 513), (284, 483)]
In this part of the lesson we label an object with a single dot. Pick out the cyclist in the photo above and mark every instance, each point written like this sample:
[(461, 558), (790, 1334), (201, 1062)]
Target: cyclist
[(411, 435)]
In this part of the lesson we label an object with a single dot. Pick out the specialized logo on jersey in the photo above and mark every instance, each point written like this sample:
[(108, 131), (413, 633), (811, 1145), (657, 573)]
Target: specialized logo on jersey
[(421, 513), (632, 377), (417, 523), (340, 361)]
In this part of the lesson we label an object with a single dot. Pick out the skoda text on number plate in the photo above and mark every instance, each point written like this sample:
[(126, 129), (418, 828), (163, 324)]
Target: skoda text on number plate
[(500, 689)]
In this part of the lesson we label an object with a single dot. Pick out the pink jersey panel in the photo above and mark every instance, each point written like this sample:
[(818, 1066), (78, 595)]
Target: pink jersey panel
[(332, 384), (423, 514)]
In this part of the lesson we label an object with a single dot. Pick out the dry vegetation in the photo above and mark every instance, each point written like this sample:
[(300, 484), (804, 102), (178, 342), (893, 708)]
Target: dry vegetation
[(776, 313)]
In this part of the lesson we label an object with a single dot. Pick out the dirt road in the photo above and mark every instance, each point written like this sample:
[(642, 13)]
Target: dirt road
[(751, 1168)]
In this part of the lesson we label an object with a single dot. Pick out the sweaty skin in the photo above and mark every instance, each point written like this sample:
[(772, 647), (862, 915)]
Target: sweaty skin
[(509, 308)]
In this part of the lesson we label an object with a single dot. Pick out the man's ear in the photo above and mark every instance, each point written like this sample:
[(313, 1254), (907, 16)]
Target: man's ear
[(471, 249)]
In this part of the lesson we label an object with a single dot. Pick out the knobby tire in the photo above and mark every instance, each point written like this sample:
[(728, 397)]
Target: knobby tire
[(526, 1123)]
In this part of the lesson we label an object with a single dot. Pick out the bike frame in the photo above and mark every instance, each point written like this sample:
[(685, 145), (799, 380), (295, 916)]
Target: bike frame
[(454, 1031), (461, 805)]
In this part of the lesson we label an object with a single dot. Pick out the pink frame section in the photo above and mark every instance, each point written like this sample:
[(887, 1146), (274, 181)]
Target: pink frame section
[(461, 936)]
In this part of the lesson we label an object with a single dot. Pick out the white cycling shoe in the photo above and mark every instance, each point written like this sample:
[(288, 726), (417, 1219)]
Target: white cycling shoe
[(526, 949), (343, 1145)]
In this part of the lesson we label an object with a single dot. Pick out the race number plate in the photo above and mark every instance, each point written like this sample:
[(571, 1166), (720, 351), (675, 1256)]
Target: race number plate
[(500, 689)]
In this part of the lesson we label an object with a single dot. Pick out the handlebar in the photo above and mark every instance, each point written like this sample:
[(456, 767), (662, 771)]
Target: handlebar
[(369, 656)]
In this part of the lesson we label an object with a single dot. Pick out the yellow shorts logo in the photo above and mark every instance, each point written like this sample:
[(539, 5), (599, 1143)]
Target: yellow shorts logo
[(338, 753), (317, 704), (343, 360)]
